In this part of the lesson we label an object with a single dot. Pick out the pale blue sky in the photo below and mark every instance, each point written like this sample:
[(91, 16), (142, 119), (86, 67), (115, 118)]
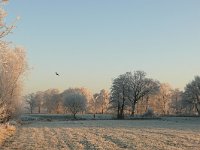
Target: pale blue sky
[(89, 42)]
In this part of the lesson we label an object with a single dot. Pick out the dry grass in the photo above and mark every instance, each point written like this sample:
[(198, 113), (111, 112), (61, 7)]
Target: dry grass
[(6, 131)]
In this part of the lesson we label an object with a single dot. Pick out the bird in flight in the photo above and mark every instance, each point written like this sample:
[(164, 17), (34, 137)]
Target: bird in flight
[(57, 74)]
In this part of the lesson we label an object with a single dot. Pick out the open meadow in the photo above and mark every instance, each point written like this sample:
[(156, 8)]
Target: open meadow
[(164, 134)]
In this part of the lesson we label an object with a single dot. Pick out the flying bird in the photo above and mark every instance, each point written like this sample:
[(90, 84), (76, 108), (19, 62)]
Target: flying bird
[(57, 74)]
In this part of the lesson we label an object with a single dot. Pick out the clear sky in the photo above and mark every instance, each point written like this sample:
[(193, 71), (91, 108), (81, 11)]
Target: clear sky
[(90, 42)]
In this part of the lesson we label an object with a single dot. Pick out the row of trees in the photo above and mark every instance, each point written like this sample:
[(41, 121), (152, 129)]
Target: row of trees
[(12, 68), (135, 93), (69, 101), (131, 93)]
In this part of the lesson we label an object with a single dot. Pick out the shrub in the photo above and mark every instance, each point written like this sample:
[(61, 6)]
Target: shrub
[(149, 113)]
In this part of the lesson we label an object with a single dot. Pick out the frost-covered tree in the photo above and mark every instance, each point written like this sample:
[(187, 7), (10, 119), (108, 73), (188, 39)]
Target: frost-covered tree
[(99, 103), (75, 102), (58, 107), (102, 100), (12, 68), (129, 88), (39, 98), (176, 105), (139, 87), (4, 28), (119, 94), (191, 95), (49, 101), (93, 104), (31, 102), (52, 100), (88, 95), (164, 99)]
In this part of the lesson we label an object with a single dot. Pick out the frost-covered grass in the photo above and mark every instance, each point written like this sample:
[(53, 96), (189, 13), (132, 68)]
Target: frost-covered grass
[(6, 131), (59, 117), (165, 134)]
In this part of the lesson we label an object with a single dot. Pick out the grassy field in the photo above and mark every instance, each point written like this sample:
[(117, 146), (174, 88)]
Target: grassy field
[(165, 134), (61, 117)]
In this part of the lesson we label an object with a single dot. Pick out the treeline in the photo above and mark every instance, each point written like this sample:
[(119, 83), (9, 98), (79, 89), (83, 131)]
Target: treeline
[(130, 94), (72, 100), (135, 93)]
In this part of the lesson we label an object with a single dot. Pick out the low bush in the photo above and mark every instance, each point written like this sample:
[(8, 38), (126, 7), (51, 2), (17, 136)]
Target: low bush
[(149, 113)]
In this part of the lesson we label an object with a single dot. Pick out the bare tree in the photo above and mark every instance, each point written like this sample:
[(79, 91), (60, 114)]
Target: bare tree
[(4, 28), (144, 104), (75, 102), (93, 105), (88, 95), (140, 87), (31, 102), (119, 95), (57, 104), (176, 105), (191, 95), (39, 98), (51, 100), (164, 98), (12, 68), (129, 88), (99, 102), (102, 100)]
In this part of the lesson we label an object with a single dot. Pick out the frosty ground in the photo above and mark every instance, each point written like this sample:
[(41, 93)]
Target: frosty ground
[(167, 133)]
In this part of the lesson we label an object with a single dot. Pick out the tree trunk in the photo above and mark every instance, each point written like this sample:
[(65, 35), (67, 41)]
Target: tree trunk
[(197, 106), (118, 110), (147, 104), (39, 109), (74, 116), (133, 109), (121, 115), (122, 110)]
